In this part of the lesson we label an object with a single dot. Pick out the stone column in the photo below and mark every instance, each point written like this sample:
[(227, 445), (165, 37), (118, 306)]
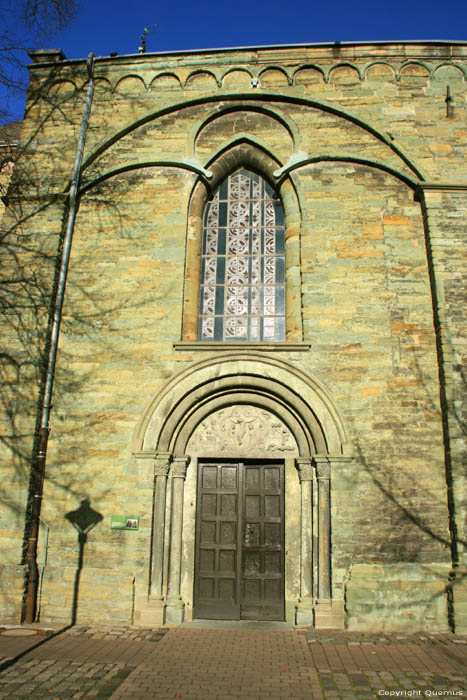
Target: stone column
[(323, 473), (305, 605), (444, 207), (175, 605), (161, 469), (192, 263)]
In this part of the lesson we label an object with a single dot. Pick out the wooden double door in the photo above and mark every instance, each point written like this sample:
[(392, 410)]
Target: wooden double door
[(239, 569)]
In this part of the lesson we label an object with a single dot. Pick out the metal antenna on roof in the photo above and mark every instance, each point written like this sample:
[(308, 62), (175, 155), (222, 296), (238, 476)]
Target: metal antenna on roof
[(142, 47)]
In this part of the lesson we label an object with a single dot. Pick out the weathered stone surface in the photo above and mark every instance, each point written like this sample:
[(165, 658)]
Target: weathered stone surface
[(402, 596), (369, 160)]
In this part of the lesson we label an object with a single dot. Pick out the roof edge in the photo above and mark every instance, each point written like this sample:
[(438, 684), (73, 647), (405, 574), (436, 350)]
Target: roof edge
[(44, 57)]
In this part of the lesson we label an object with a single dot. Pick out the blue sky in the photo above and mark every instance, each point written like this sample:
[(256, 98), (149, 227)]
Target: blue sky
[(105, 26)]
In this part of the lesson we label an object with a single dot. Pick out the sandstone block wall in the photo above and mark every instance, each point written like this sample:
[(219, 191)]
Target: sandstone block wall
[(372, 159)]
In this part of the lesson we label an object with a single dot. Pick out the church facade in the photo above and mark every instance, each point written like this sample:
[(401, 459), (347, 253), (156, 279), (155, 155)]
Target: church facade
[(257, 405)]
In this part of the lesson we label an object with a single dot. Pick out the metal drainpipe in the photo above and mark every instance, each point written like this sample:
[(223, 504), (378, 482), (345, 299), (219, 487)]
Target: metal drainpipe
[(44, 563), (40, 453)]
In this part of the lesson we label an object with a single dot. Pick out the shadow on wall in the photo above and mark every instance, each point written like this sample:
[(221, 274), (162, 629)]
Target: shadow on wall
[(409, 506), (31, 234), (83, 519)]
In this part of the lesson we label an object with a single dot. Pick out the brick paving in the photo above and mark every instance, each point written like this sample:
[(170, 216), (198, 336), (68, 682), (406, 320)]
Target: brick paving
[(190, 663)]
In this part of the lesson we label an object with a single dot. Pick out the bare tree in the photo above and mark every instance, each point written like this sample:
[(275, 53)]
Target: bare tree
[(24, 24)]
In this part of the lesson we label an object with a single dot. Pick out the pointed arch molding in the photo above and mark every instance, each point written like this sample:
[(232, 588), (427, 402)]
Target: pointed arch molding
[(275, 385), (229, 102), (247, 155)]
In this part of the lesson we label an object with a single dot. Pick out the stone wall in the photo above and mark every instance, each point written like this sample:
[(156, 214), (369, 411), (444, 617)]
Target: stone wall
[(370, 160)]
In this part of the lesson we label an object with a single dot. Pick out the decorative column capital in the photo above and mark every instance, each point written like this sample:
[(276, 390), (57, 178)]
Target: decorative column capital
[(145, 454), (305, 468), (322, 466), (179, 467), (162, 464)]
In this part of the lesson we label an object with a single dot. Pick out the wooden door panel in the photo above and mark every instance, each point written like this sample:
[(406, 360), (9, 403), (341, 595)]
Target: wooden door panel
[(262, 596), (216, 588)]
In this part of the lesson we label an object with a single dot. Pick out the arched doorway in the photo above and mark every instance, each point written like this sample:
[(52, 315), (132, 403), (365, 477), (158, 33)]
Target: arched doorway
[(243, 448), (239, 570)]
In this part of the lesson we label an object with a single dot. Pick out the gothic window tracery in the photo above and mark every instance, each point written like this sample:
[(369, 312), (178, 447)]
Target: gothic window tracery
[(243, 263)]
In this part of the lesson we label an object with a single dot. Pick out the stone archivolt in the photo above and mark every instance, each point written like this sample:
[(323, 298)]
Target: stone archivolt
[(241, 430)]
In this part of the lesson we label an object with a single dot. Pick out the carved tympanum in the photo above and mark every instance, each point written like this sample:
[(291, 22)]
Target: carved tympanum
[(241, 430)]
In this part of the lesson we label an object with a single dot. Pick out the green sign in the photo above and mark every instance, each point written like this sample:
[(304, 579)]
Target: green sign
[(124, 522)]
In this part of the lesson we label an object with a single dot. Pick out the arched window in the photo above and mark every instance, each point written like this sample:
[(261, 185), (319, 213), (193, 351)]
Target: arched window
[(243, 263)]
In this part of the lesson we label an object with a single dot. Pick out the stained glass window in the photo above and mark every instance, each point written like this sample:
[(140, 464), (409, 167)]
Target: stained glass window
[(243, 266)]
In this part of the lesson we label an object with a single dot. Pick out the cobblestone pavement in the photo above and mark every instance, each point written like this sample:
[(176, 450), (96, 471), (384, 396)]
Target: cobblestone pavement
[(188, 663)]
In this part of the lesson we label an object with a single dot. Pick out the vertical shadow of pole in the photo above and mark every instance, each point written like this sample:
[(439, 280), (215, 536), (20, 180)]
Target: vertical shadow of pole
[(83, 519), (82, 538)]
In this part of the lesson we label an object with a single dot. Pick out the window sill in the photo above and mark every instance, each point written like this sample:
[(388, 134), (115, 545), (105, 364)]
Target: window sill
[(267, 347)]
